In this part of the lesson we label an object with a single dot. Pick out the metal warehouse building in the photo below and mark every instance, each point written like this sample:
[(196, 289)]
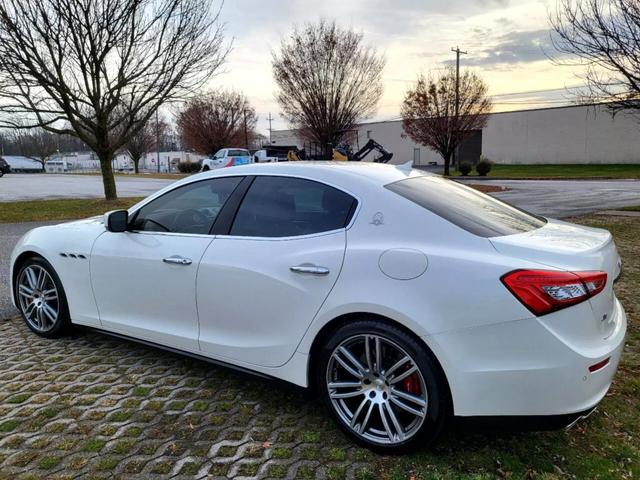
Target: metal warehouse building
[(574, 134)]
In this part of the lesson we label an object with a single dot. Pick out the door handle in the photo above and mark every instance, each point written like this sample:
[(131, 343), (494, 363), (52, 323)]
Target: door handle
[(177, 260), (308, 268)]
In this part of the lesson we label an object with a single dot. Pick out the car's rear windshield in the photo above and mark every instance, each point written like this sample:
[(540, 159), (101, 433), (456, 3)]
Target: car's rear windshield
[(465, 207)]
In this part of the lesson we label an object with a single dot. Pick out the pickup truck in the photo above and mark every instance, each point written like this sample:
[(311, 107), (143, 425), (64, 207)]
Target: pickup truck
[(264, 156), (227, 157)]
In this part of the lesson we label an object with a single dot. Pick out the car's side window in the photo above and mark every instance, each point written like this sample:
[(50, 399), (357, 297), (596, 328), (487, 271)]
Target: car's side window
[(287, 206), (191, 208)]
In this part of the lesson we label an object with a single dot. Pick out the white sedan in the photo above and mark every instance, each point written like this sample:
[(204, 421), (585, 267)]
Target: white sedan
[(401, 297)]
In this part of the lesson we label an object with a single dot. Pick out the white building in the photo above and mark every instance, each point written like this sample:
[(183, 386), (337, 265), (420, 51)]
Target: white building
[(574, 134), (88, 162)]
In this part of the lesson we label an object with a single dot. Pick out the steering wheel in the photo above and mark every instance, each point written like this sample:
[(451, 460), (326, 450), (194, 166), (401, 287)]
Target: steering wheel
[(191, 218)]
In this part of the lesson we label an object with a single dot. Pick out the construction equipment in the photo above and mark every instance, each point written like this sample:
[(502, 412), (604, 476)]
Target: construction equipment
[(345, 153), (296, 154)]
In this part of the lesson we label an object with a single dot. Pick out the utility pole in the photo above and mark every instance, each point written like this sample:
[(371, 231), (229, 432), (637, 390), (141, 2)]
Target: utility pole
[(458, 52), (246, 136), (158, 140), (269, 118)]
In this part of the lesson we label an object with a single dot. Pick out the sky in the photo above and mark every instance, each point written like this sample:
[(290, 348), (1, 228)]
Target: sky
[(508, 45)]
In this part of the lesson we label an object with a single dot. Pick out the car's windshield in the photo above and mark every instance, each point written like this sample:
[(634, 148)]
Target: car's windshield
[(465, 207)]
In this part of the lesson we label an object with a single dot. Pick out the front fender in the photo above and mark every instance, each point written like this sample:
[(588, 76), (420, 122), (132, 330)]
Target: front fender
[(67, 247)]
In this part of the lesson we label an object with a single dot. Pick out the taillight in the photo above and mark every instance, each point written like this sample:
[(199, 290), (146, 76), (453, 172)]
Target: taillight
[(545, 291)]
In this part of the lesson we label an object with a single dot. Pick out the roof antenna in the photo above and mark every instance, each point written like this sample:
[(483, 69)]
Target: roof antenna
[(405, 167)]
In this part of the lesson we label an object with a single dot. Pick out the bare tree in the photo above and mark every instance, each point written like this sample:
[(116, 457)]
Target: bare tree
[(99, 69), (604, 36), (37, 144), (328, 81), (428, 111), (140, 144), (145, 140), (217, 120)]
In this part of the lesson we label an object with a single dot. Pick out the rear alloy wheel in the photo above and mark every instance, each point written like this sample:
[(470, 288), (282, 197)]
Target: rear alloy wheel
[(380, 384), (41, 298)]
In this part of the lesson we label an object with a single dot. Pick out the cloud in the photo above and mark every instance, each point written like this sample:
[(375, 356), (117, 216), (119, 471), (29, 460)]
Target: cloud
[(494, 3), (514, 47)]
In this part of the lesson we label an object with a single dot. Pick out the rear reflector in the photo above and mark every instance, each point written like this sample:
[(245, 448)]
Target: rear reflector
[(545, 291), (600, 365)]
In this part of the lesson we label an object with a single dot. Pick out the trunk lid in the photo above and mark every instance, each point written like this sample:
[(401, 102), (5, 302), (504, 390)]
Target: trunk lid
[(566, 246)]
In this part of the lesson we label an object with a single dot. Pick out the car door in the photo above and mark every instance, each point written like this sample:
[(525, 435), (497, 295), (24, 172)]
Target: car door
[(144, 279), (260, 285)]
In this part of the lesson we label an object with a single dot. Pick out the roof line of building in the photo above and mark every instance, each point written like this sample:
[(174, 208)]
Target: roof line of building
[(582, 105)]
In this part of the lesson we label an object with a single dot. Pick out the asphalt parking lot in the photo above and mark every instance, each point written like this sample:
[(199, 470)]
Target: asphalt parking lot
[(552, 198), (40, 186), (567, 198)]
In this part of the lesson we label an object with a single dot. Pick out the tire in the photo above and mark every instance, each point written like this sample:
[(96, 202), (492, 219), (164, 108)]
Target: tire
[(378, 390), (38, 283), (205, 168), (1, 173)]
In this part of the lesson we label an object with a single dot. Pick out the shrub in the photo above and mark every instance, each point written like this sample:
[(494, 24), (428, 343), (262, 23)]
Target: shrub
[(484, 166), (465, 168), (188, 167)]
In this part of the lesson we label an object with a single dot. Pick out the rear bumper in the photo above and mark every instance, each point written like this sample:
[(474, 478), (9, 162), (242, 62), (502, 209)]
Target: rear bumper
[(519, 423), (522, 369)]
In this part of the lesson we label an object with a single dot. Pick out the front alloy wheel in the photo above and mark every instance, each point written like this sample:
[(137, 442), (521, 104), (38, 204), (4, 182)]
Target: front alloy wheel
[(381, 385), (41, 298)]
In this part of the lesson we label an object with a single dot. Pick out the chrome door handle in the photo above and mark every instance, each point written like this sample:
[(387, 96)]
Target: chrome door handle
[(312, 269), (178, 260)]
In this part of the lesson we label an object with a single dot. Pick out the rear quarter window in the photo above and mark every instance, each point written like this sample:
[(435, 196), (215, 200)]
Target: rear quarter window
[(465, 207)]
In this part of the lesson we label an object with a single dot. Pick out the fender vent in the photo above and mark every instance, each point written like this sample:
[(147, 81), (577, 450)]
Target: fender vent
[(73, 255)]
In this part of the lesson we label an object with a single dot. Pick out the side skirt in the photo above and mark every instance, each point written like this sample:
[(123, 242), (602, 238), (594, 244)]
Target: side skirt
[(245, 371)]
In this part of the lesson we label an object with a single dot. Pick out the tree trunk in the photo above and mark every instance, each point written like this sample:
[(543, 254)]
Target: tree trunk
[(447, 162), (108, 180), (136, 163)]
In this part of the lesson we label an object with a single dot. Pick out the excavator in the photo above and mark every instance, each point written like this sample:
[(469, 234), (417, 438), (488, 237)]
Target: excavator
[(344, 153)]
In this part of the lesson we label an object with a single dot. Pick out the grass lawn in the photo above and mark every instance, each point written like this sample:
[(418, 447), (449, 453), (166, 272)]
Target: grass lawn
[(63, 209), (633, 208), (564, 171)]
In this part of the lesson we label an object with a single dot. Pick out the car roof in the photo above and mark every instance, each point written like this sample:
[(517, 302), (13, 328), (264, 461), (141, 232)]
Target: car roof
[(328, 171)]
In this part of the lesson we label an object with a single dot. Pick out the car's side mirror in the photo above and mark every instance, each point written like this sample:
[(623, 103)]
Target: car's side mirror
[(116, 220)]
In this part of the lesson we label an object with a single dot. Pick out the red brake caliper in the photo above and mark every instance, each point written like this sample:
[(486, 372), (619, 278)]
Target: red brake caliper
[(411, 384)]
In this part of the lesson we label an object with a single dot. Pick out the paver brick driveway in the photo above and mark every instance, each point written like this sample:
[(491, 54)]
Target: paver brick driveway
[(91, 406)]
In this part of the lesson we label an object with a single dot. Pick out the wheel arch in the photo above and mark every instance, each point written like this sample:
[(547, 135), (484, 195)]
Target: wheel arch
[(346, 318), (15, 268)]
